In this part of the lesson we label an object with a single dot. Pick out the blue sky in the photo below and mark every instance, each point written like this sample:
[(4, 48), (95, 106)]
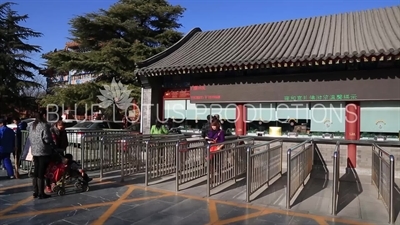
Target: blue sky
[(51, 17)]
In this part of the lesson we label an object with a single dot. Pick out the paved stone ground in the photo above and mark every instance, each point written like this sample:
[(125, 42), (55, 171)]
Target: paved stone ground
[(112, 202)]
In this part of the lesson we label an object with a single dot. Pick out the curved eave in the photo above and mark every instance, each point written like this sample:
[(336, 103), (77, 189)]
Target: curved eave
[(72, 45), (251, 65), (169, 50)]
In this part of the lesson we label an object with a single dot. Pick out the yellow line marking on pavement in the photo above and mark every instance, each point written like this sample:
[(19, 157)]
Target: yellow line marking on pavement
[(2, 189), (146, 198), (212, 210), (16, 205), (260, 208), (72, 208), (55, 210), (213, 217), (115, 205), (321, 221), (241, 218), (14, 187)]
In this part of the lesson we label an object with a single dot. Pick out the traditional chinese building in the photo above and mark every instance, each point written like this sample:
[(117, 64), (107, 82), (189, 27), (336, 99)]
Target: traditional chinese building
[(319, 72), (70, 77)]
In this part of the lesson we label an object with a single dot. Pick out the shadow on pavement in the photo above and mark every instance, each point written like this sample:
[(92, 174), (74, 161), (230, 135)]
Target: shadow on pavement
[(350, 188), (319, 179), (277, 186), (238, 184), (396, 199)]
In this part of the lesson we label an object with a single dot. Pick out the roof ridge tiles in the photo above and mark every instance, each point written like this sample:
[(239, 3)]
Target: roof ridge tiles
[(365, 33)]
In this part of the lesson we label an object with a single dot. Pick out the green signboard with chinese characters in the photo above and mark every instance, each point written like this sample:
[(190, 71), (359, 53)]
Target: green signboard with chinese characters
[(336, 97), (367, 85)]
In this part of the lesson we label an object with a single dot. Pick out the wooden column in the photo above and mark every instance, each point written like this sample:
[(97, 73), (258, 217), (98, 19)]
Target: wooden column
[(352, 131), (240, 122)]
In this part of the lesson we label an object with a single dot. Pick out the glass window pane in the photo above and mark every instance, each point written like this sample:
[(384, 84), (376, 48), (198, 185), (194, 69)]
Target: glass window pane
[(202, 111), (175, 109), (380, 117), (287, 111), (190, 110), (225, 111), (328, 117), (260, 111)]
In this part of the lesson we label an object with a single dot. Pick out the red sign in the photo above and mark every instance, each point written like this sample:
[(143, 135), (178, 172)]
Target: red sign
[(177, 94), (199, 93), (205, 97)]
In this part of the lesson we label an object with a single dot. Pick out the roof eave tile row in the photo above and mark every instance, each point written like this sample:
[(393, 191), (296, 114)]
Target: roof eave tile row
[(344, 37), (250, 66)]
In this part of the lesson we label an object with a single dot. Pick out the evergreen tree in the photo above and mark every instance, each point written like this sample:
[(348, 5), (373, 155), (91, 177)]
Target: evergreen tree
[(111, 41), (16, 71)]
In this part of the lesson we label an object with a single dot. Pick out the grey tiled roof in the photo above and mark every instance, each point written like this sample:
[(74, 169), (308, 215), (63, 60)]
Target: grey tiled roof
[(348, 35)]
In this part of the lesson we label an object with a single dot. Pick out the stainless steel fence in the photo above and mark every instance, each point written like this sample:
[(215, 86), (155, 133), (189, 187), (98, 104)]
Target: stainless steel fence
[(228, 163), (264, 163), (127, 153), (383, 173), (25, 165), (91, 148), (95, 149), (299, 166), (160, 158), (190, 162), (336, 178)]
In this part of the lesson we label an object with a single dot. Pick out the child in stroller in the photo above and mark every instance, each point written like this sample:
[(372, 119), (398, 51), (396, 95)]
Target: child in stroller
[(64, 168), (75, 172)]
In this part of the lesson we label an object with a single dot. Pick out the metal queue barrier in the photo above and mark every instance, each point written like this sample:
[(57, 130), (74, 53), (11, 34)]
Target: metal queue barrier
[(160, 158), (299, 165), (25, 165), (226, 164), (190, 162), (383, 174), (264, 163), (90, 147), (336, 178), (128, 154)]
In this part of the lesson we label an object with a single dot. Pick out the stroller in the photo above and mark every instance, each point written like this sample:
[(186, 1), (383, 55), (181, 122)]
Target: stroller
[(59, 173)]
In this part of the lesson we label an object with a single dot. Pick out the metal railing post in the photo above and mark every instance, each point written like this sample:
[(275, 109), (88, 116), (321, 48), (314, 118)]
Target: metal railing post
[(178, 167), (334, 187), (122, 154), (248, 181), (288, 174), (380, 174), (268, 162), (281, 157), (83, 151), (101, 158), (208, 171), (373, 164), (391, 195), (313, 151), (146, 176)]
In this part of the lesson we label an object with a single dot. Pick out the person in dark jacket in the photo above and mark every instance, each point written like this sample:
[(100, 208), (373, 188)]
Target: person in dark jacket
[(21, 125), (7, 146), (59, 137), (41, 149)]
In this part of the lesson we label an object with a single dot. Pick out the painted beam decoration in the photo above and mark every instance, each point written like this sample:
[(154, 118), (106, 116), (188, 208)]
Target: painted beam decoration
[(367, 85)]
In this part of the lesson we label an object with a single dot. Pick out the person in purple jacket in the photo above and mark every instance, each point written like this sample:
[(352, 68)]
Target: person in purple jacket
[(216, 134)]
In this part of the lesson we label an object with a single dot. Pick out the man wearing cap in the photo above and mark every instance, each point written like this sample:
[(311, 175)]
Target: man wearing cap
[(7, 146)]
